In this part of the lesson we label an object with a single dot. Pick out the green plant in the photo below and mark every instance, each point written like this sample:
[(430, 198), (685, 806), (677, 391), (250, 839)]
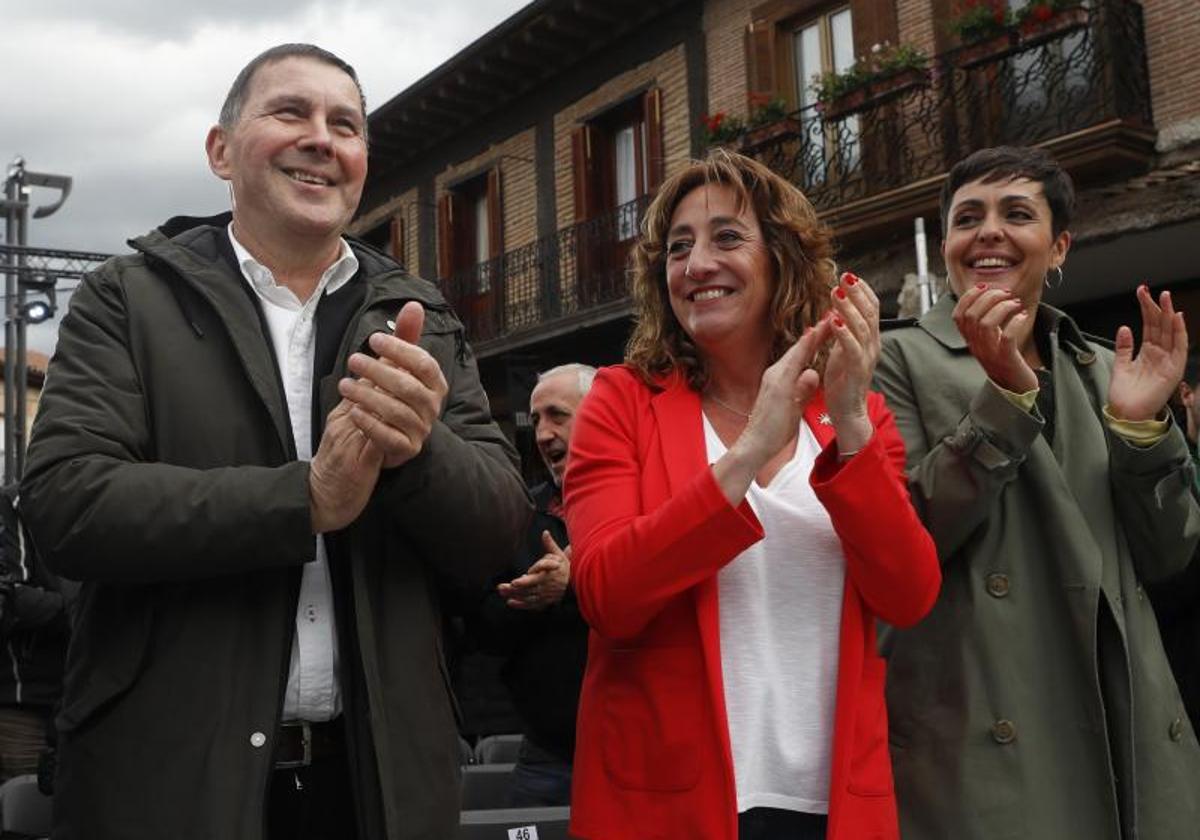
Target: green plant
[(975, 20), (720, 128), (883, 61), (765, 110)]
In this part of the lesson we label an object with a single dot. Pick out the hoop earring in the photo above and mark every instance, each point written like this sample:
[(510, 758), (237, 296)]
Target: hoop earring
[(1057, 283)]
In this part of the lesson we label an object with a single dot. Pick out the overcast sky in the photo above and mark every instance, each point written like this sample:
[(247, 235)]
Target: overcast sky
[(119, 94)]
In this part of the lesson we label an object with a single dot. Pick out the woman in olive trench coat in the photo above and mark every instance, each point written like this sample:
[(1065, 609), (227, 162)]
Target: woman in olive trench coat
[(1035, 701)]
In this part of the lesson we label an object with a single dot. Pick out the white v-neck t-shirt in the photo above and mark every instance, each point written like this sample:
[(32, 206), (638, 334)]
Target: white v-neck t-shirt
[(780, 613)]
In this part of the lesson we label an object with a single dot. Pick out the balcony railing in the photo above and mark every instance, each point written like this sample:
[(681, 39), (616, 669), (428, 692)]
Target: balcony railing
[(579, 269), (1086, 68), (1068, 83)]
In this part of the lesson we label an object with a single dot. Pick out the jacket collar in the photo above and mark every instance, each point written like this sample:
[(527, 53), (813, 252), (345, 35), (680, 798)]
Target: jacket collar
[(938, 323), (197, 251)]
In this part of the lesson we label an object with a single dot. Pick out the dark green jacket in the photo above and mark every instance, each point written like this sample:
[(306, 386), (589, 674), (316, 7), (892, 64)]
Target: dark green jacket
[(162, 474), (1041, 661)]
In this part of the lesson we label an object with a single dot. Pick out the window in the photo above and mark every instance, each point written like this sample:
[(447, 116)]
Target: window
[(617, 161), (790, 41), (825, 44), (470, 252), (470, 230)]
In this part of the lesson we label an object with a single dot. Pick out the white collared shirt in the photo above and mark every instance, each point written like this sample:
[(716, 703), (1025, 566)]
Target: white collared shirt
[(313, 692)]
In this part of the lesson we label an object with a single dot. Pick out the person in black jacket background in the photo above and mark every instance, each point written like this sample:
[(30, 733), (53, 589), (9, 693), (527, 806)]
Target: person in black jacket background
[(532, 618), (34, 630)]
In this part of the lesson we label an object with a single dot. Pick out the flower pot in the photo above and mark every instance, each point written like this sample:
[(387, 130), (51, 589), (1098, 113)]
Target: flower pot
[(992, 48), (766, 135), (875, 93), (1035, 32)]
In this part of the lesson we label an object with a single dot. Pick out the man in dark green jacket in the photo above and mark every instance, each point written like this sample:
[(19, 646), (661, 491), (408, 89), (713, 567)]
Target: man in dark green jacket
[(264, 450)]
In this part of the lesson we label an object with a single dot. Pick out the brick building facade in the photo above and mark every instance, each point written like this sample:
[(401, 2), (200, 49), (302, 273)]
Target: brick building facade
[(515, 172)]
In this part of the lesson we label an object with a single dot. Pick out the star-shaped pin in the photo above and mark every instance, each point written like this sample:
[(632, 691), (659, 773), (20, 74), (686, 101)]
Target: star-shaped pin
[(824, 420)]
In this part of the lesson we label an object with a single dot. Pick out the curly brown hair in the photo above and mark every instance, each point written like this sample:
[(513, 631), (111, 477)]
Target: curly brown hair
[(801, 250)]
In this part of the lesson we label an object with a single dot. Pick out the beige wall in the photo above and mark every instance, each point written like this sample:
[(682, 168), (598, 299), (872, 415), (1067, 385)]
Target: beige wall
[(405, 205), (1172, 37), (725, 23)]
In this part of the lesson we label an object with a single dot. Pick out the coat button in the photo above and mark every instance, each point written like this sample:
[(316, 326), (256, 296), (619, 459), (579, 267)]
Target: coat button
[(997, 585), (1004, 731), (1176, 730), (257, 740)]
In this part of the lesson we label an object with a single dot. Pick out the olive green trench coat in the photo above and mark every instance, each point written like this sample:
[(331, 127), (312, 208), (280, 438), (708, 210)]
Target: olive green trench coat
[(1035, 701)]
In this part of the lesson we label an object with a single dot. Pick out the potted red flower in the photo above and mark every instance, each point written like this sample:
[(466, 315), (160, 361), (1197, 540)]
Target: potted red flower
[(984, 28), (720, 129), (1045, 20)]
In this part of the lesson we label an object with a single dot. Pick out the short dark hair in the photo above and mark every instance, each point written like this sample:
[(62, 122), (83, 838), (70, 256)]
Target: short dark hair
[(1003, 163), (231, 109)]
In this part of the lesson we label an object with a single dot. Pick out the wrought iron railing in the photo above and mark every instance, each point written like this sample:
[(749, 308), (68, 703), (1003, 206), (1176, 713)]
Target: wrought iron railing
[(1085, 67), (580, 268)]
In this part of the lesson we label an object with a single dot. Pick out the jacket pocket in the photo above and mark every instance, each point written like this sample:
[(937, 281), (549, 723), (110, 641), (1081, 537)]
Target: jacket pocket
[(107, 650), (870, 761), (653, 716)]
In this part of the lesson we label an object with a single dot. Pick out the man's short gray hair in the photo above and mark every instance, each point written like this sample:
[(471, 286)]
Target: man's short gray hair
[(586, 373), (231, 109)]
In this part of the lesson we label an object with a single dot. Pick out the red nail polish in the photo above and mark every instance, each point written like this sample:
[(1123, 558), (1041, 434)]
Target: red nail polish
[(981, 286), (838, 322), (851, 279), (841, 293)]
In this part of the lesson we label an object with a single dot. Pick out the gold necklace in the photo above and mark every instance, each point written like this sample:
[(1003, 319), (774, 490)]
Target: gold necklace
[(726, 405)]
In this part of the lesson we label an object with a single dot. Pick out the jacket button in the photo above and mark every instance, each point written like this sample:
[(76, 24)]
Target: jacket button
[(997, 585), (1176, 730), (257, 740), (1004, 731)]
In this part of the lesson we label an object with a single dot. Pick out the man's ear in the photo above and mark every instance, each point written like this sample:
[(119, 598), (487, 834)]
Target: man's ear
[(216, 144)]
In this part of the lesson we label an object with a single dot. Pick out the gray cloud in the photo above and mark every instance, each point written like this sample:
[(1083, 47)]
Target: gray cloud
[(119, 94)]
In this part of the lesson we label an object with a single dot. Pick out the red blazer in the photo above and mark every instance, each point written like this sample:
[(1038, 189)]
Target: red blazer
[(650, 529)]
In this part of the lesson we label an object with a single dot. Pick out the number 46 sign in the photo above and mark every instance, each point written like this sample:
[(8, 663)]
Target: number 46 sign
[(525, 832)]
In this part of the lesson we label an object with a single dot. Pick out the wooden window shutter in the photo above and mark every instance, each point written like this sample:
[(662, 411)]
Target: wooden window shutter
[(760, 61), (495, 215), (652, 122), (583, 171), (874, 23), (445, 235), (396, 238)]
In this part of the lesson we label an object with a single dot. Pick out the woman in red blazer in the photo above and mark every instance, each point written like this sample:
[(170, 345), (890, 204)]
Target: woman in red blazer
[(739, 518)]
